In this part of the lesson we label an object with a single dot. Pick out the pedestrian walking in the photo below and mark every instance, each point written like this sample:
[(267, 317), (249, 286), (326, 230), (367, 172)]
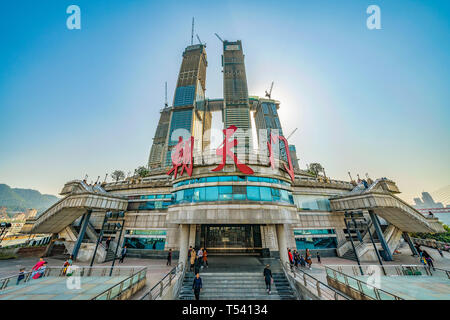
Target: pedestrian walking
[(318, 257), (37, 266), (67, 264), (205, 258), (308, 258), (108, 241), (169, 258), (296, 258), (302, 261), (123, 254), (197, 286), (21, 275), (268, 278), (192, 260), (40, 272), (428, 259), (291, 259), (200, 257)]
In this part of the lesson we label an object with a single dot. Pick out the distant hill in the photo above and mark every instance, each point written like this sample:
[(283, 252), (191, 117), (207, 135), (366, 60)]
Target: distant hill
[(16, 199)]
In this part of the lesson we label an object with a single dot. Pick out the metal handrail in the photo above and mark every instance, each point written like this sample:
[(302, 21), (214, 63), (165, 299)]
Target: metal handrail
[(317, 287), (359, 284), (109, 292), (396, 270), (158, 289), (81, 271)]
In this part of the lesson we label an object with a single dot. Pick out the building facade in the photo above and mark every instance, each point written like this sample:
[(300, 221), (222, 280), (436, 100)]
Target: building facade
[(236, 199)]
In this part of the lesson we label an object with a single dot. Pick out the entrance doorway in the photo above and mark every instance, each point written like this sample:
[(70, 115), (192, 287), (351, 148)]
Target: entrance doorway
[(230, 239)]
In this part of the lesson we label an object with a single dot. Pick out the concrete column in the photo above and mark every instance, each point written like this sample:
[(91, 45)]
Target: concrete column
[(376, 224), (192, 231), (410, 243), (282, 245), (184, 242), (84, 225)]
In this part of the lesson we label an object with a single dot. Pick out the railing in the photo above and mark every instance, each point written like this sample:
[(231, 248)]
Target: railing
[(316, 287), (360, 286), (393, 270), (432, 243), (79, 271), (158, 289), (125, 284)]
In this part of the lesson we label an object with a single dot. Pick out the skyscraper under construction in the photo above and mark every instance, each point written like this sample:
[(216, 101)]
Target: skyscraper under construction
[(187, 114)]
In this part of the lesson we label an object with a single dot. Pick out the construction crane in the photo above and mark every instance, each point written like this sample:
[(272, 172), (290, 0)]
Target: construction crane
[(204, 44), (192, 33), (268, 94), (291, 133), (165, 101), (218, 37)]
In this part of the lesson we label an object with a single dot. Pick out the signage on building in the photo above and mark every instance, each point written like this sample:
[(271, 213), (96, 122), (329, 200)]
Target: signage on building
[(182, 156)]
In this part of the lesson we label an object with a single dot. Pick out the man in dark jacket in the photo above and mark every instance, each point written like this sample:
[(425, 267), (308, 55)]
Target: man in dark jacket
[(197, 286), (169, 258), (268, 278), (122, 256)]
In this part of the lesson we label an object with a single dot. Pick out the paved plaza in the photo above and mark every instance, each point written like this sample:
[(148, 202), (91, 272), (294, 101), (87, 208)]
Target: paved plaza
[(56, 288), (156, 269)]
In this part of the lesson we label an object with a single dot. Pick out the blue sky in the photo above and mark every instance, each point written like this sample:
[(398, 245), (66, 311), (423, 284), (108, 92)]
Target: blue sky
[(76, 102)]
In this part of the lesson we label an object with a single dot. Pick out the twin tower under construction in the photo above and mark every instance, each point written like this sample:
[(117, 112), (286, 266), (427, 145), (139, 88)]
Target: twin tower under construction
[(191, 111)]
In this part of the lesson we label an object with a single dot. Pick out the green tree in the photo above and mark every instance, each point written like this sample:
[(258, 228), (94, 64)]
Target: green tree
[(141, 172), (315, 168), (118, 175)]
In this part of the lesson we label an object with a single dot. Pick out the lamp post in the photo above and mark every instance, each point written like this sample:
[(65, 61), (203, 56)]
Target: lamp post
[(117, 226)]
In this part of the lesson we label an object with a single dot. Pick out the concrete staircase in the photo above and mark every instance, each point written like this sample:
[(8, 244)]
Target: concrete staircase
[(109, 255), (237, 286)]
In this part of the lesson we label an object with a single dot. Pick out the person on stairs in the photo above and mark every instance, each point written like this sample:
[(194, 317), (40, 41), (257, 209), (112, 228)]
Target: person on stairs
[(268, 278)]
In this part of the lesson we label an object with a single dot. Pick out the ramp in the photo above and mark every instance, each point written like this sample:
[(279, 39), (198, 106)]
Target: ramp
[(78, 200)]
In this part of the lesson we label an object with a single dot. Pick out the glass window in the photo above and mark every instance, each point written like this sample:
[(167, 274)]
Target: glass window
[(316, 243), (188, 193), (160, 196), (265, 108), (149, 205), (284, 195), (239, 196), (275, 194), (253, 193), (225, 193), (145, 243), (239, 178), (211, 193), (168, 196), (180, 195), (267, 180), (274, 109), (313, 231), (266, 195), (199, 194), (252, 179), (225, 178), (225, 189), (212, 179)]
